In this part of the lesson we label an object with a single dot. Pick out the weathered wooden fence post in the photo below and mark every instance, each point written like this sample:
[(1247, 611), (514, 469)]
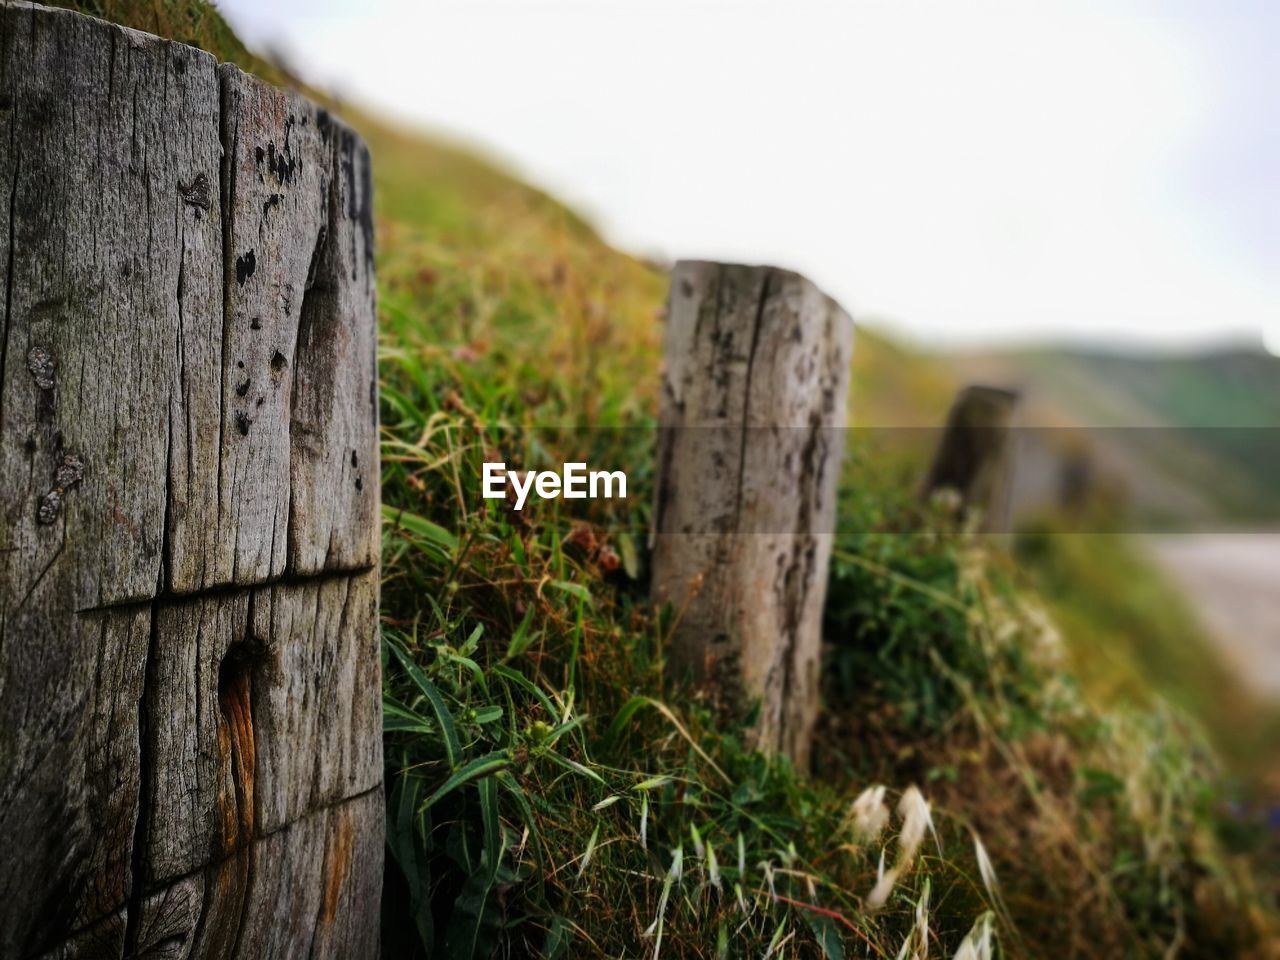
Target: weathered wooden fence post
[(973, 457), (750, 447), (190, 750)]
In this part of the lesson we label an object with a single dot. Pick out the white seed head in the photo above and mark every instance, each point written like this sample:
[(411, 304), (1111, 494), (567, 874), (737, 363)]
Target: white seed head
[(977, 943), (916, 821), (885, 881), (870, 813)]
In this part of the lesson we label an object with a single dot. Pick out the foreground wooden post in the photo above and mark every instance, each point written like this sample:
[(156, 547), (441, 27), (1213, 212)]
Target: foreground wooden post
[(973, 455), (190, 750), (749, 452)]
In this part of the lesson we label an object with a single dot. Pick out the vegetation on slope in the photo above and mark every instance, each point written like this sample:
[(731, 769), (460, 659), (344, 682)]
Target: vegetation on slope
[(550, 793), (589, 808)]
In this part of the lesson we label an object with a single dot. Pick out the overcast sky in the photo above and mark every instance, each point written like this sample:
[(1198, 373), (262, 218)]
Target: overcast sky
[(959, 171)]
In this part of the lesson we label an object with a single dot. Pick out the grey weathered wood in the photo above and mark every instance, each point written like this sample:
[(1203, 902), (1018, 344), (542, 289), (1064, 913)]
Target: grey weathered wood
[(190, 750), (973, 456), (749, 451), (299, 377)]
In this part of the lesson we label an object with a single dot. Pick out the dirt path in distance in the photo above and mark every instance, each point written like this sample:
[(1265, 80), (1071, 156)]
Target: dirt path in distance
[(1233, 581)]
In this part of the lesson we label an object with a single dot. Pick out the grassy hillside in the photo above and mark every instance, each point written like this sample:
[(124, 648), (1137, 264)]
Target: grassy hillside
[(513, 316), (551, 792), (1190, 437)]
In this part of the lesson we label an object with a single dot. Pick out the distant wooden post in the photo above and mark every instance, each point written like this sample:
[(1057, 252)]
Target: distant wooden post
[(190, 750), (750, 447), (974, 453)]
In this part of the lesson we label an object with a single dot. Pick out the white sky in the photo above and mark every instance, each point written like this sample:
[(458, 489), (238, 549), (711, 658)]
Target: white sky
[(961, 171)]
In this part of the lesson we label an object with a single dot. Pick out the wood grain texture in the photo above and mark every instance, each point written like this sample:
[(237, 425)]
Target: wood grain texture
[(298, 380), (168, 702), (750, 444)]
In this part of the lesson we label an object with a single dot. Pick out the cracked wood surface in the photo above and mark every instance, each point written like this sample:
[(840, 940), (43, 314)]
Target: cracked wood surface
[(190, 717), (751, 434)]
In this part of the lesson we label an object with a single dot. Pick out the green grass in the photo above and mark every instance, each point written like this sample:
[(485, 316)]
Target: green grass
[(580, 778), (551, 793)]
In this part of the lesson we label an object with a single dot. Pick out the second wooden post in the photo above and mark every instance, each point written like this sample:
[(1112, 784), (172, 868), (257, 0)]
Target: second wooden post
[(749, 452)]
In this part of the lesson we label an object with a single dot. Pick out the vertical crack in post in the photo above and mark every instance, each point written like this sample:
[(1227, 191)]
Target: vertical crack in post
[(226, 189), (146, 791), (757, 323), (8, 277), (165, 575), (798, 576), (316, 314)]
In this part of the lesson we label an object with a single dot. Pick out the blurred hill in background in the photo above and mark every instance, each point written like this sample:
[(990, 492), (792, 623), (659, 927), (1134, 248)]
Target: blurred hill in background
[(1190, 436)]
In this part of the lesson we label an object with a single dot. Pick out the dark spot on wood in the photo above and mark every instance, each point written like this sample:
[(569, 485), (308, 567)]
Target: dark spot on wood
[(245, 266), (240, 364), (282, 165), (259, 155), (197, 192), (69, 472), (355, 460), (41, 363), (323, 124), (260, 399), (255, 323), (359, 484), (242, 388), (243, 423), (50, 507), (278, 362), (271, 201)]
